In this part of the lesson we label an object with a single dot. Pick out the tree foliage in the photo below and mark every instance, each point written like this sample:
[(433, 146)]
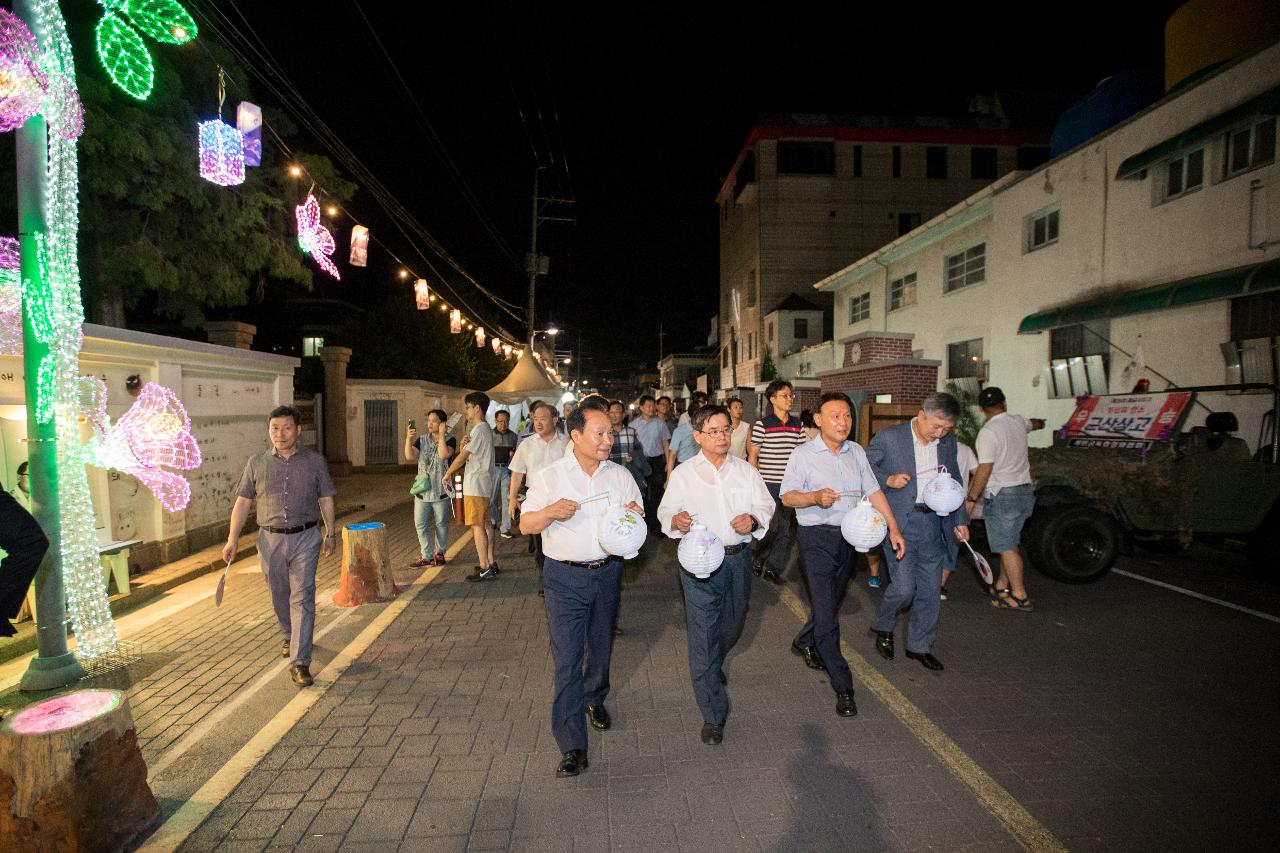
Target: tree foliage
[(768, 370)]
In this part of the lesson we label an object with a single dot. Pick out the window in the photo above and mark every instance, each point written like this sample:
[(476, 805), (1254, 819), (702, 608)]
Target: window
[(801, 330), (1042, 229), (860, 307), (857, 161), (769, 333), (1250, 146), (1032, 156), (966, 268), (311, 346), (897, 161), (1255, 333), (751, 345), (902, 291), (964, 359), (907, 222), (935, 161), (1184, 174), (982, 164), (751, 286), (724, 357), (1078, 359), (806, 158)]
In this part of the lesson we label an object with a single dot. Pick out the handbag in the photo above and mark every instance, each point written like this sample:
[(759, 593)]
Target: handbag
[(420, 484)]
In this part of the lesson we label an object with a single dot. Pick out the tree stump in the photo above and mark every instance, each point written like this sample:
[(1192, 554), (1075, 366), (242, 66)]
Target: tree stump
[(72, 777), (366, 570)]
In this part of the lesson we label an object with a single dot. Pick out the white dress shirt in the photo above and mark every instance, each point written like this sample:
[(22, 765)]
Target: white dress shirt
[(1002, 441), (716, 497), (534, 453), (926, 463), (575, 540)]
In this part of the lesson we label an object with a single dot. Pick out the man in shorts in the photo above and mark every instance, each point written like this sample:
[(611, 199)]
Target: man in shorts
[(477, 484)]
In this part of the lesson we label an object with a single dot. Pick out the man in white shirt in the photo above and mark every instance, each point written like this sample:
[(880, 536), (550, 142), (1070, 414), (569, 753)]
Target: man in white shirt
[(729, 498), (1003, 478), (477, 484), (583, 582), (536, 452)]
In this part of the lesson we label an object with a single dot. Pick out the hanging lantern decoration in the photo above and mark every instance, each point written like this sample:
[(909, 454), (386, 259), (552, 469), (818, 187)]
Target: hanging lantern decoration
[(506, 350), (421, 294), (621, 531), (314, 238), (23, 82), (359, 246), (455, 321), (863, 527), (221, 153), (249, 123), (701, 552), (497, 345), (943, 494), (479, 337), (121, 49)]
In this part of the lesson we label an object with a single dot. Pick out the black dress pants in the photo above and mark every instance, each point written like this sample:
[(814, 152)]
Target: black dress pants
[(25, 543)]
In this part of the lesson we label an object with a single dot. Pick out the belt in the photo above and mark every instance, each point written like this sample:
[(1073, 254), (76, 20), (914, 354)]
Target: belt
[(921, 508), (298, 529), (594, 564), (734, 549)]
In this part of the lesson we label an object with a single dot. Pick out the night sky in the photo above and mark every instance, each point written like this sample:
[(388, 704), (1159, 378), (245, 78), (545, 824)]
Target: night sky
[(638, 113)]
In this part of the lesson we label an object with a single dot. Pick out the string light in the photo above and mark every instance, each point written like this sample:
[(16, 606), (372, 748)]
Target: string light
[(332, 211), (221, 153), (10, 297), (295, 171), (121, 49), (404, 274), (313, 237), (496, 344), (23, 82)]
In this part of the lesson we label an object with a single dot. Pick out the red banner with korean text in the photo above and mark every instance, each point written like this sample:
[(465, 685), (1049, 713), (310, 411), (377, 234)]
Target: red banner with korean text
[(1150, 417)]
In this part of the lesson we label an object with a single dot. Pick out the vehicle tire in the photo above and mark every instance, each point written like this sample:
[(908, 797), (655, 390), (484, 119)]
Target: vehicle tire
[(1263, 544), (1075, 544)]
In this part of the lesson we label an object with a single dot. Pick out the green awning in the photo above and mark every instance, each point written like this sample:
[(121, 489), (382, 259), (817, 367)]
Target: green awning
[(1266, 104), (1227, 284)]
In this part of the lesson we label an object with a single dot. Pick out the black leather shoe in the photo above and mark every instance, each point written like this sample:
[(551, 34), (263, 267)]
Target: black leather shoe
[(884, 644), (771, 576), (812, 659), (845, 706), (712, 735), (757, 568), (284, 650), (927, 660), (598, 717), (301, 675), (572, 763)]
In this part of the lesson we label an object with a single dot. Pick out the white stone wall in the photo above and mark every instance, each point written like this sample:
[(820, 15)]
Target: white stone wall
[(414, 398)]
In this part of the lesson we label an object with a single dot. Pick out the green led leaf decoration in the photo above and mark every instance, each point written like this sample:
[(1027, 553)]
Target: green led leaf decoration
[(162, 20), (125, 57)]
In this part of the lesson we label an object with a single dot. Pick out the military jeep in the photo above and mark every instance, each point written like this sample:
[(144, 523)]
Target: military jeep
[(1097, 494)]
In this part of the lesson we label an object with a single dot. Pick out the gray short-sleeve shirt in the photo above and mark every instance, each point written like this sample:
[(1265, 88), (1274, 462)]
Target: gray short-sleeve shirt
[(288, 491)]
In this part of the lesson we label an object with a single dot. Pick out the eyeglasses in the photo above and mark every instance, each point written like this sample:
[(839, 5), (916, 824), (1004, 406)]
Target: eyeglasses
[(716, 433)]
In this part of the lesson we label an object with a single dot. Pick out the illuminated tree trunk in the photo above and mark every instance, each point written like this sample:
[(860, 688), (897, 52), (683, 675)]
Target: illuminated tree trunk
[(366, 569)]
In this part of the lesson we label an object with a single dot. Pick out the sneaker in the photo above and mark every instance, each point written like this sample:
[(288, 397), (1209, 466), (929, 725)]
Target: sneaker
[(484, 574), (437, 560), (494, 568), (874, 581), (505, 534), (943, 594), (422, 563)]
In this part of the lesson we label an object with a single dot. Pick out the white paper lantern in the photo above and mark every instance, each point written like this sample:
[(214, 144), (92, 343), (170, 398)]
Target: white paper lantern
[(621, 531), (701, 552), (943, 494), (863, 527)]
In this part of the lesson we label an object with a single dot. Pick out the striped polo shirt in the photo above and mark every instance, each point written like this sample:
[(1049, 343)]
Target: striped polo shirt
[(776, 440)]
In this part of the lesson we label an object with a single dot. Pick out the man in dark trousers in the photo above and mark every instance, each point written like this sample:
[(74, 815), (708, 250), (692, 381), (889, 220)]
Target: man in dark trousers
[(905, 459), (25, 544)]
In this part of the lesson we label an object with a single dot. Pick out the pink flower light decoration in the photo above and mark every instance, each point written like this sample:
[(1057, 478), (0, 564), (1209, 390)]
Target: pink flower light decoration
[(313, 237), (23, 82), (10, 297), (63, 108)]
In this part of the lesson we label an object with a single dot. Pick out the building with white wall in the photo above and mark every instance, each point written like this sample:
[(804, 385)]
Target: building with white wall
[(809, 194), (1147, 252), (227, 392)]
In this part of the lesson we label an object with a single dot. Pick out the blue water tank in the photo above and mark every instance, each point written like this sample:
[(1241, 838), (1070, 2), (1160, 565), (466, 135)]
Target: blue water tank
[(1111, 102)]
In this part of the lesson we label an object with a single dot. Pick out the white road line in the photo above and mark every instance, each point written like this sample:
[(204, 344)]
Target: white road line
[(1201, 596)]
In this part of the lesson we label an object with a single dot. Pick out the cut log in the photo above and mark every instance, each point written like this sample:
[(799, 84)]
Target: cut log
[(72, 776), (366, 569)]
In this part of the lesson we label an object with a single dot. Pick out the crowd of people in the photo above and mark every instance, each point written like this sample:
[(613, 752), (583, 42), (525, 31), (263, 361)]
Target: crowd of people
[(748, 485)]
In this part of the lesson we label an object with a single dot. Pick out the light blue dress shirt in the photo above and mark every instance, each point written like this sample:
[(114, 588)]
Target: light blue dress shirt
[(651, 432), (682, 443), (813, 466)]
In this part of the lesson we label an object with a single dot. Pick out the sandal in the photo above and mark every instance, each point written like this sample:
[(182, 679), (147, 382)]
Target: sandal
[(1004, 599)]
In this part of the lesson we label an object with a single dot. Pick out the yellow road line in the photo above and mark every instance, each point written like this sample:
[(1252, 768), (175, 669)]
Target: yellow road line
[(173, 832), (1028, 831)]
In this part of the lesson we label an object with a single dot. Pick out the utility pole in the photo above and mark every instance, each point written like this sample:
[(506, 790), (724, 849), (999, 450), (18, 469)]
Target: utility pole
[(536, 264), (661, 335), (54, 666)]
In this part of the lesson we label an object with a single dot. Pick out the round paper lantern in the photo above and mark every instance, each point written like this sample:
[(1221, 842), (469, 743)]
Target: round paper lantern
[(701, 552), (863, 527), (621, 531), (943, 494)]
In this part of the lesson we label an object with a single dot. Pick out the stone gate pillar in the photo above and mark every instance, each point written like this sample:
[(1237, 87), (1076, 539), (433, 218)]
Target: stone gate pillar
[(335, 408)]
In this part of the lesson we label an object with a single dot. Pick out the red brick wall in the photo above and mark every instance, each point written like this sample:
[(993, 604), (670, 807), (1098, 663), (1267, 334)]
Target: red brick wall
[(908, 383), (806, 398), (878, 349)]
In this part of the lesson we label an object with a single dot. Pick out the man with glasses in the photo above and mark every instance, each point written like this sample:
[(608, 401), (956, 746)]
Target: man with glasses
[(728, 497), (773, 438)]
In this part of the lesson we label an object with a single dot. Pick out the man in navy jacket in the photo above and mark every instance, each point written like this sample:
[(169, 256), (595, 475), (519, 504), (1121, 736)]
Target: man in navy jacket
[(905, 458)]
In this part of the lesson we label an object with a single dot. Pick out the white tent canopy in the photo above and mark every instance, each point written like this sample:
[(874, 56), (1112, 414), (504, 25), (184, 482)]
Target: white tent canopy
[(527, 381)]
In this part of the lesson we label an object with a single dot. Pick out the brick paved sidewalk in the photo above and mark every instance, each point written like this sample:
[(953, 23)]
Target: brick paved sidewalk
[(437, 738)]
